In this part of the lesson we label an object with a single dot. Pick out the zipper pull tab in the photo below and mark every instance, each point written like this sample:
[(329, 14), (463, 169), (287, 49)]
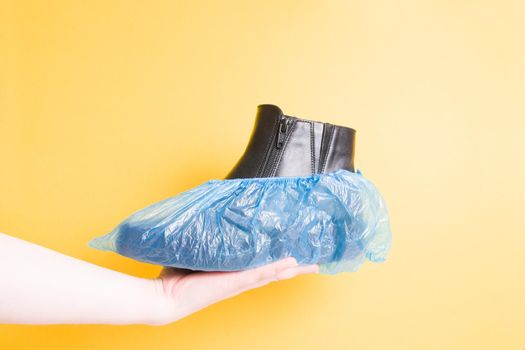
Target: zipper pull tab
[(283, 126)]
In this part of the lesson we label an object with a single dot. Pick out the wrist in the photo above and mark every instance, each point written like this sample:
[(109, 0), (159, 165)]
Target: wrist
[(157, 307)]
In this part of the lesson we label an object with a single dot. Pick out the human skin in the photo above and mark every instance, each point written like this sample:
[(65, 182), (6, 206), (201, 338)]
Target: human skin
[(39, 285)]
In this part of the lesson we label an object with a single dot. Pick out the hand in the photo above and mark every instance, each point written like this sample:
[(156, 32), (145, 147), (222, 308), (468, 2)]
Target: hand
[(67, 290), (185, 292)]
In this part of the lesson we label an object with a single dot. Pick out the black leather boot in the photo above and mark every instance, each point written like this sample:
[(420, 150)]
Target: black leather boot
[(283, 145)]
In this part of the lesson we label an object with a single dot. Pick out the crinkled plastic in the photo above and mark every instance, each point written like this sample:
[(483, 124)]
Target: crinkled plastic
[(335, 219)]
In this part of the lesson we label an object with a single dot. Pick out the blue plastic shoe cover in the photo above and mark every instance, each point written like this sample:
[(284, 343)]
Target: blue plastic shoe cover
[(334, 219)]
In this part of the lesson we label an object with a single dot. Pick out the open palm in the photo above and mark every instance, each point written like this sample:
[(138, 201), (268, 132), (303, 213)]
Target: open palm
[(187, 291)]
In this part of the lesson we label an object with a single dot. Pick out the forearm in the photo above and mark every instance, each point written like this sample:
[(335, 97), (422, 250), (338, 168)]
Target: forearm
[(42, 286)]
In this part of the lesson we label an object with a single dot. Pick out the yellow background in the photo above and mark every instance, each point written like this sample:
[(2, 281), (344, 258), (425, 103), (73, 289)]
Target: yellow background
[(108, 106)]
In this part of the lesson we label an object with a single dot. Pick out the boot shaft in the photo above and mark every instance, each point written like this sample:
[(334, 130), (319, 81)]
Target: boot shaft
[(283, 145)]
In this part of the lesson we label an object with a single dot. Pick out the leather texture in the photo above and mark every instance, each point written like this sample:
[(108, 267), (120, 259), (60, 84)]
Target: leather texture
[(284, 145)]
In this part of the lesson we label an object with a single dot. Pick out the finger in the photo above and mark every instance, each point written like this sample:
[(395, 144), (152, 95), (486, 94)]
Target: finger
[(296, 271), (289, 273), (262, 273), (232, 283), (280, 275)]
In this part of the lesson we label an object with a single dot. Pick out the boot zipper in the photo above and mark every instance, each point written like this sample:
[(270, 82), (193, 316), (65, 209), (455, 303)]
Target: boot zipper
[(274, 154), (281, 134)]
